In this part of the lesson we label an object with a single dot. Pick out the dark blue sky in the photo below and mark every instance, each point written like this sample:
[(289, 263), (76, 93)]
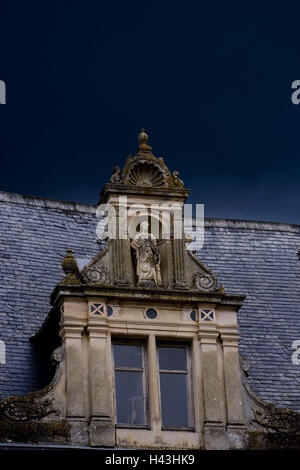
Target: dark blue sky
[(210, 82)]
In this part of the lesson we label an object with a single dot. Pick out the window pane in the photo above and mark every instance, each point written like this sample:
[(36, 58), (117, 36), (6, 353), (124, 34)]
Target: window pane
[(172, 358), (174, 407), (128, 356), (130, 397)]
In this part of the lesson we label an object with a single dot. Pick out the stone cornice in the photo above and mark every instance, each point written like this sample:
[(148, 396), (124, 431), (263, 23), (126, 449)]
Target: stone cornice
[(143, 294), (111, 188)]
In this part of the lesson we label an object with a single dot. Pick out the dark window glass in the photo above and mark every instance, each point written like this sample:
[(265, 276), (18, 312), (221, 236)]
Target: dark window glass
[(151, 313), (174, 407), (109, 311), (128, 356), (193, 315), (130, 398), (131, 402), (207, 315), (174, 386), (172, 358)]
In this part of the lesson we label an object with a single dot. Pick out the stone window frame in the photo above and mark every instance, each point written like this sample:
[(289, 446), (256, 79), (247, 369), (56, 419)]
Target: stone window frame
[(145, 358)]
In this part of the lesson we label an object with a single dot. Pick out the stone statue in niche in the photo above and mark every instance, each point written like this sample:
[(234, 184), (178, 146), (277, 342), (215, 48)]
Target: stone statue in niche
[(147, 258)]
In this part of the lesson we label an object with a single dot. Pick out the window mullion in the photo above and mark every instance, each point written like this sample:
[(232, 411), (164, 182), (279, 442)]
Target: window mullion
[(154, 400)]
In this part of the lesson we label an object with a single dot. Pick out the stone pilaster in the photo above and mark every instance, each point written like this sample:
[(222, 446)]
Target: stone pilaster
[(102, 431), (212, 397), (71, 333), (198, 387), (234, 400)]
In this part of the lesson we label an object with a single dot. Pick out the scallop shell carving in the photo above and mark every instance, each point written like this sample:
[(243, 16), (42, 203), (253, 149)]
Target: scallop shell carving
[(146, 175)]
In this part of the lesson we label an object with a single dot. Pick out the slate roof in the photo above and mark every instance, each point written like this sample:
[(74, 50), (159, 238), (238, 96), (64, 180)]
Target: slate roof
[(254, 258)]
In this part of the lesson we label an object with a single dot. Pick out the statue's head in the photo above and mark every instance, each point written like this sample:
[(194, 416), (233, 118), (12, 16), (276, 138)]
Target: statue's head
[(144, 227)]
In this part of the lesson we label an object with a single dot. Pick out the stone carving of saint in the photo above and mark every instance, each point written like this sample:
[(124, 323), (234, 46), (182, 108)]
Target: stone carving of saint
[(147, 258)]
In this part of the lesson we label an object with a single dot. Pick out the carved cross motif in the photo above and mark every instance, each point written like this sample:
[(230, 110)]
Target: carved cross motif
[(207, 315), (97, 309)]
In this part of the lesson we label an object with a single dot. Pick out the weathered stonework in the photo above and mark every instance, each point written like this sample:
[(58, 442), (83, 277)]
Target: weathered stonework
[(78, 407), (35, 418)]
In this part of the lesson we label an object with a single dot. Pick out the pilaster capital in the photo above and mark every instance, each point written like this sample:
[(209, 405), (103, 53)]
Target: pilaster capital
[(97, 330), (229, 336), (208, 334), (71, 329)]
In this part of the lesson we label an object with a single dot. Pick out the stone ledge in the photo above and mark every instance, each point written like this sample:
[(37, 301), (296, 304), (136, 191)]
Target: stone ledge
[(136, 293)]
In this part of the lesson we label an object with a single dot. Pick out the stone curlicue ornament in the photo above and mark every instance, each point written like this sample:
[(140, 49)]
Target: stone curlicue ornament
[(116, 175), (57, 355), (24, 409), (280, 420), (178, 183), (244, 362)]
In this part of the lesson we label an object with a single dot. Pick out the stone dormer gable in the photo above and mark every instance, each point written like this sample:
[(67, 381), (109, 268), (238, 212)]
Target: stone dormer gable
[(147, 182)]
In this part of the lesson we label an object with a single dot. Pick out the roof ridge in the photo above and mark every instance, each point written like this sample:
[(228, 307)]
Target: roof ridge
[(50, 203), (251, 224), (91, 208)]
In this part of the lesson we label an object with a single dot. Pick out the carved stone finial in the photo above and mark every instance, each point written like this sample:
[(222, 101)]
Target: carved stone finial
[(70, 268), (143, 137), (69, 263), (143, 141)]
